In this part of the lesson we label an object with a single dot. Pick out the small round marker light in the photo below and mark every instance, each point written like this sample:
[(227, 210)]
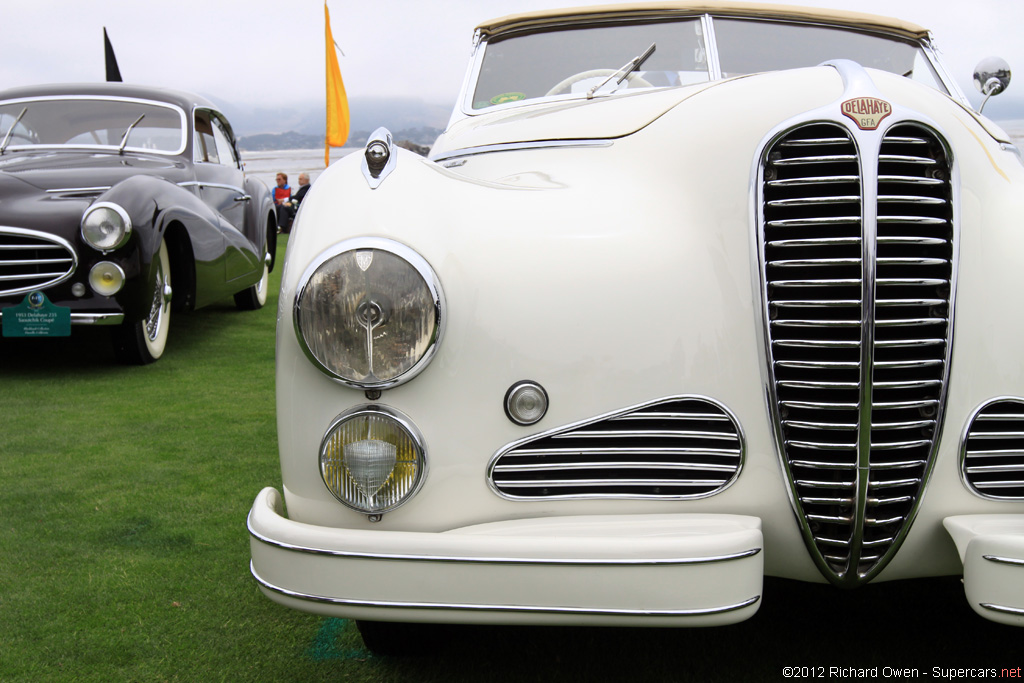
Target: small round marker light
[(526, 402), (106, 278)]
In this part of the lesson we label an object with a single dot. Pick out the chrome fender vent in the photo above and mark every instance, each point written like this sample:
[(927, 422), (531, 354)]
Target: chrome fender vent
[(673, 448), (857, 259), (31, 260), (992, 451)]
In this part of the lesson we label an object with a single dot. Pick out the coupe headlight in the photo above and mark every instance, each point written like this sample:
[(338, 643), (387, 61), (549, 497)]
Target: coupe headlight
[(369, 313), (372, 459), (106, 226)]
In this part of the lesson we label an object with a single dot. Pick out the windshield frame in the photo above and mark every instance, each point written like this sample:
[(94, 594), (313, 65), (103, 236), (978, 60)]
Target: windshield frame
[(464, 107), (27, 101)]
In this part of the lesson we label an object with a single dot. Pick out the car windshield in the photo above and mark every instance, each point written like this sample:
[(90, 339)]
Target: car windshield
[(572, 61), (84, 122)]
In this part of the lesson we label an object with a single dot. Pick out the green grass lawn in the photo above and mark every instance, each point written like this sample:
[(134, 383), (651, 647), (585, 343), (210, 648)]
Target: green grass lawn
[(124, 553)]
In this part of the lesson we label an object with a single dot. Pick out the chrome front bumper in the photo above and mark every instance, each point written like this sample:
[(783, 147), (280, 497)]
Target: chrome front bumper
[(624, 570), (91, 318), (992, 550)]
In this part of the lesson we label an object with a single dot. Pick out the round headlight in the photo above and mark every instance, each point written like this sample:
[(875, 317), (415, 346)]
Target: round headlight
[(369, 313), (106, 226), (372, 459)]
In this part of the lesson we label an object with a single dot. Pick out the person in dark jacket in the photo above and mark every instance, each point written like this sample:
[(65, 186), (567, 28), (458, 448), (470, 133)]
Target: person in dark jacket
[(301, 192)]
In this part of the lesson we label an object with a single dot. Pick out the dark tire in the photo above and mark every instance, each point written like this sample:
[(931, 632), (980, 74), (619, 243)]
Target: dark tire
[(253, 298), (144, 341)]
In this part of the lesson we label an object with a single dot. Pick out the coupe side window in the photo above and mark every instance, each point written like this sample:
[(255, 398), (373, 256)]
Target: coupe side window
[(206, 144), (225, 150)]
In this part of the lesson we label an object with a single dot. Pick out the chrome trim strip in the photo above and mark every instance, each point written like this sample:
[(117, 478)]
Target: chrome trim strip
[(107, 98), (1002, 609), (1004, 560), (707, 23), (519, 147), (202, 184), (97, 318), (594, 562), (616, 415), (78, 190), (501, 608)]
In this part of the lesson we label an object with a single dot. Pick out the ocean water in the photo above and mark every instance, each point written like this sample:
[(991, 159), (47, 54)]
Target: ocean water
[(265, 165)]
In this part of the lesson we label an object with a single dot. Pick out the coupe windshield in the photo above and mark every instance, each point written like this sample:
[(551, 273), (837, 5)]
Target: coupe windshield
[(79, 122), (571, 61)]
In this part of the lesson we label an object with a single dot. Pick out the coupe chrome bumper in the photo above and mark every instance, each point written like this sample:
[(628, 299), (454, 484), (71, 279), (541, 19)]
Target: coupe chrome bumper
[(91, 318)]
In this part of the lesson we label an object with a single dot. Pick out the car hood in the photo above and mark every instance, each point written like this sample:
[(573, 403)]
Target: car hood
[(577, 119), (75, 170)]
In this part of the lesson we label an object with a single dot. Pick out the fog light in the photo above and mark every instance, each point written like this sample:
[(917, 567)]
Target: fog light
[(372, 459), (526, 403), (106, 278), (370, 463)]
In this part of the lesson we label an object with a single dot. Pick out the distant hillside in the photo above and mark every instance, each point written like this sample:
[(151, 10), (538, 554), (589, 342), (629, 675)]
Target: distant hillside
[(308, 118), (424, 135)]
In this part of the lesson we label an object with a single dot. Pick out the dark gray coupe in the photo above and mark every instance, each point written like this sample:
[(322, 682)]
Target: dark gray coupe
[(120, 204)]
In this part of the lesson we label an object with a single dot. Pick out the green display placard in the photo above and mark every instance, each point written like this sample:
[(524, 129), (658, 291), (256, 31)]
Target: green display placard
[(37, 317)]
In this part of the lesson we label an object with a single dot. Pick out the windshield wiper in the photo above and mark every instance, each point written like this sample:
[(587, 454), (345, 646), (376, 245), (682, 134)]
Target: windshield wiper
[(10, 131), (628, 68), (124, 140)]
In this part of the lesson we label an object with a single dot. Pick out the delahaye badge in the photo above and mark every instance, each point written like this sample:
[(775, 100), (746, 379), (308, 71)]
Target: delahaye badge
[(866, 112)]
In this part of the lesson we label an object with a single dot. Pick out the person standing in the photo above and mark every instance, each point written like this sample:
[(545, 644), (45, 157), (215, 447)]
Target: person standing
[(282, 200)]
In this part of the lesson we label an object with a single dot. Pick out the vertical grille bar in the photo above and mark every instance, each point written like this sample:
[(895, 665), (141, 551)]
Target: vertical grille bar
[(858, 259)]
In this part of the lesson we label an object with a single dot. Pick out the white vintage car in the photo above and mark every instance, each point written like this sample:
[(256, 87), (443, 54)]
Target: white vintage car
[(684, 296)]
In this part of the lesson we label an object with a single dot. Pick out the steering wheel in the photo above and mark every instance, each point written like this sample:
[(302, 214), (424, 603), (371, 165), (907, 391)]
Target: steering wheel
[(634, 80)]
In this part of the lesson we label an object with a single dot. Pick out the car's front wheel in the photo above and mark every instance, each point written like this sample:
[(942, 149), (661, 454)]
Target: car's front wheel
[(143, 341)]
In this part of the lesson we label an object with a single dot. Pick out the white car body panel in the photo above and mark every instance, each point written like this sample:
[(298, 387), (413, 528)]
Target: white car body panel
[(617, 264)]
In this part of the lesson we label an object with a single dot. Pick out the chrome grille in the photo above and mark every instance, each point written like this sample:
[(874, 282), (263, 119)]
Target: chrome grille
[(857, 297), (673, 448), (993, 450), (31, 260)]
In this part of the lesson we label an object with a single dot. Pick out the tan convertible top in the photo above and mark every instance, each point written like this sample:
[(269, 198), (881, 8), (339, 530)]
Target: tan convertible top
[(667, 9)]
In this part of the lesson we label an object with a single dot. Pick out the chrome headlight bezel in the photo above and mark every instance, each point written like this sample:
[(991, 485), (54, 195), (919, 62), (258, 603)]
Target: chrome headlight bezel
[(124, 231), (415, 262), (398, 420)]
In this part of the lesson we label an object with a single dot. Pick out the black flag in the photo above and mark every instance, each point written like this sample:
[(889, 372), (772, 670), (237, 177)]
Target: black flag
[(113, 73)]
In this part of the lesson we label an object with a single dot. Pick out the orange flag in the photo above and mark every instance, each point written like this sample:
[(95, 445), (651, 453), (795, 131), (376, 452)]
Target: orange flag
[(337, 100)]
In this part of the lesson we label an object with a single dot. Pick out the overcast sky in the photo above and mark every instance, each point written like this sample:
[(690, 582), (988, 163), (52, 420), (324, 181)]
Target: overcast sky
[(271, 51)]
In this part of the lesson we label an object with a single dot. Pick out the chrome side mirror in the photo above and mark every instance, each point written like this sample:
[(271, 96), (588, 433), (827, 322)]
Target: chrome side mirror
[(991, 77)]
